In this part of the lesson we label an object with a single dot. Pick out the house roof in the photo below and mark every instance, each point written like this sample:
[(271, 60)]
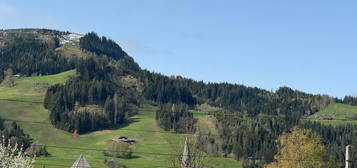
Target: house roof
[(81, 162)]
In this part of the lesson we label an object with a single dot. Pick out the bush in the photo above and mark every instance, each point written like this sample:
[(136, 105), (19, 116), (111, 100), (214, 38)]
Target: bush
[(36, 150), (114, 164), (353, 117), (119, 150)]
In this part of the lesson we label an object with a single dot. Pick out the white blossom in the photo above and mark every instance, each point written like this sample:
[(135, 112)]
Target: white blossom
[(11, 157)]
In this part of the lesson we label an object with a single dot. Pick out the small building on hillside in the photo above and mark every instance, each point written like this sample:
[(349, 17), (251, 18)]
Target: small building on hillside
[(125, 139), (81, 162)]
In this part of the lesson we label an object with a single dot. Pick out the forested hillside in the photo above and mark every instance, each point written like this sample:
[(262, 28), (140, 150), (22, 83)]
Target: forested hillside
[(109, 86), (96, 98), (26, 55)]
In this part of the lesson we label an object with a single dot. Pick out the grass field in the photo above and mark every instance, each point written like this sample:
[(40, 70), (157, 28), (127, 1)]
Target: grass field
[(24, 102), (338, 113)]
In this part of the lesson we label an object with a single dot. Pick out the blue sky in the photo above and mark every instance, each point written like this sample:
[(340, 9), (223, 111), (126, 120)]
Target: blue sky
[(307, 45)]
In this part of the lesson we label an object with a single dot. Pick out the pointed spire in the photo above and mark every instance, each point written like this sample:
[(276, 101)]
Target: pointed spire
[(186, 160)]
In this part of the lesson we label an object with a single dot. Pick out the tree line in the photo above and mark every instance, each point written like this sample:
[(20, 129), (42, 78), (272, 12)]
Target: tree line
[(101, 46), (163, 89), (349, 100)]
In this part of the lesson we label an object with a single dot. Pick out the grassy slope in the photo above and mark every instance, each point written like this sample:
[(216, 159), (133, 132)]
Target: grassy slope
[(341, 114), (30, 90)]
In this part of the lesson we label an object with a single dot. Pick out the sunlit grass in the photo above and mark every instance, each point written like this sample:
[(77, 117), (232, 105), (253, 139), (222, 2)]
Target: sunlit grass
[(30, 91)]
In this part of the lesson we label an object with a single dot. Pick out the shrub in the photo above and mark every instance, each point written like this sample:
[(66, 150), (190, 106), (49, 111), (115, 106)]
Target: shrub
[(36, 150), (119, 150), (114, 164)]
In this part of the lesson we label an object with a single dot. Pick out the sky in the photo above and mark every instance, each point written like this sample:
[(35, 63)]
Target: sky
[(306, 45)]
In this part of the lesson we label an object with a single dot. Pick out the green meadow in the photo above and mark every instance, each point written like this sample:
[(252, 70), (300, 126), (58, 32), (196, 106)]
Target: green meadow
[(338, 114), (23, 103)]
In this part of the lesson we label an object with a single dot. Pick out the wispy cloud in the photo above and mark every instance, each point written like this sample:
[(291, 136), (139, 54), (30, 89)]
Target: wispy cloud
[(11, 17), (8, 13), (136, 46)]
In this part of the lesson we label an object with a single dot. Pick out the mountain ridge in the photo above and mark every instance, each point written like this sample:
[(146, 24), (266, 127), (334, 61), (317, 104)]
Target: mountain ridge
[(66, 35)]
